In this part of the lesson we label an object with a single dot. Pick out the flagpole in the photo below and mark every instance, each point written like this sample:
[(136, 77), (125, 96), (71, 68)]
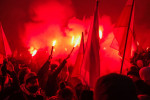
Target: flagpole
[(126, 39), (83, 42)]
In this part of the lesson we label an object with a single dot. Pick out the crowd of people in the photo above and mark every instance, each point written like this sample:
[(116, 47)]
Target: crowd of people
[(20, 83)]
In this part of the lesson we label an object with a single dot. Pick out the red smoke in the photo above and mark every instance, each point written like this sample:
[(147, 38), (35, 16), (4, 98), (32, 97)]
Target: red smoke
[(55, 21)]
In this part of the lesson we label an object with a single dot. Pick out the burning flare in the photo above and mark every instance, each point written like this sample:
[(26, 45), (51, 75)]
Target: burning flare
[(32, 51), (101, 32), (77, 41), (54, 42), (72, 40)]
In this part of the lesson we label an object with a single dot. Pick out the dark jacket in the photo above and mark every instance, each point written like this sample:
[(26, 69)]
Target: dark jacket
[(14, 86), (19, 95), (24, 94), (43, 75), (52, 85), (142, 87)]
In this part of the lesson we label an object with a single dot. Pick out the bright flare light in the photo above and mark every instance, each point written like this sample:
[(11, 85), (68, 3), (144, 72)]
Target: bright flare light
[(147, 48), (65, 49), (32, 51), (101, 32), (77, 41), (72, 40), (104, 48), (54, 42), (138, 43)]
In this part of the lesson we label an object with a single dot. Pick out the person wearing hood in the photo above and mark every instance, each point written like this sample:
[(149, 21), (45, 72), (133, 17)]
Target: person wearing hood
[(29, 90)]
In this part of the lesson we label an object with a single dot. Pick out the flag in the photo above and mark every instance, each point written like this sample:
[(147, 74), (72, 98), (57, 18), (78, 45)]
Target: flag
[(76, 71), (125, 20), (4, 46), (90, 69)]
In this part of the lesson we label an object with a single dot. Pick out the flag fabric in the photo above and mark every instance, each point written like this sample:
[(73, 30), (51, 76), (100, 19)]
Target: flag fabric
[(76, 71), (4, 46), (121, 28), (90, 69)]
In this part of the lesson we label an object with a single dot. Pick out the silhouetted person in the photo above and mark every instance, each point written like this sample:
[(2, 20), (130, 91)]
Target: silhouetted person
[(64, 93), (144, 83), (141, 87), (43, 74), (52, 84), (86, 95), (23, 71), (29, 90), (115, 87), (9, 81)]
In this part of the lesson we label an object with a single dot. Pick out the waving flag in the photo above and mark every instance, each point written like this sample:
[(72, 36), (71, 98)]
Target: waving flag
[(126, 20), (90, 69), (79, 59), (4, 46), (124, 31)]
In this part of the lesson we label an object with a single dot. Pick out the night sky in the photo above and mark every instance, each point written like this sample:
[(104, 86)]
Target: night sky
[(14, 14)]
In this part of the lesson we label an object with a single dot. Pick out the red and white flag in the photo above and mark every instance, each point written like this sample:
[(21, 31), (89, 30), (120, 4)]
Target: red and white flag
[(90, 69)]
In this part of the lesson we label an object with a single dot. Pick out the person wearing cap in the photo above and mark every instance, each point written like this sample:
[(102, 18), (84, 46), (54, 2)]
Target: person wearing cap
[(29, 90)]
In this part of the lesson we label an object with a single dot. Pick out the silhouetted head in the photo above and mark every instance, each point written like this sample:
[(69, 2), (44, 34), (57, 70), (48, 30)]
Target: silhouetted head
[(145, 74), (133, 73), (22, 73), (31, 82), (139, 63), (53, 66), (115, 87), (66, 92), (86, 95)]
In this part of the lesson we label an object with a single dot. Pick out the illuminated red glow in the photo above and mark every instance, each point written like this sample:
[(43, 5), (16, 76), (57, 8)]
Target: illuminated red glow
[(50, 28), (138, 43), (104, 48), (65, 49), (147, 48), (72, 41)]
